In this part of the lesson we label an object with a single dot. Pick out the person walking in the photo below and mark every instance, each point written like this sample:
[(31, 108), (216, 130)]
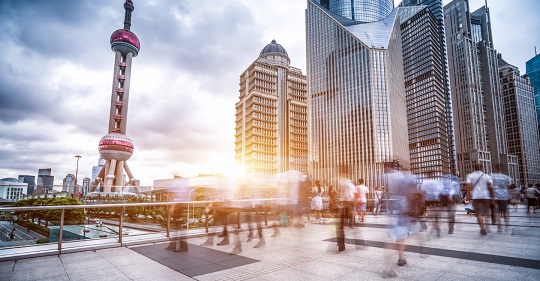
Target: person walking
[(450, 189), (432, 190), (361, 201), (515, 197), (378, 201), (501, 182), (317, 202), (346, 193), (482, 195), (531, 195), (333, 205)]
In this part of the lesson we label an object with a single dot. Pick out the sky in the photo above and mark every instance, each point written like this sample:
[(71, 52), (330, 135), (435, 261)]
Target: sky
[(56, 70)]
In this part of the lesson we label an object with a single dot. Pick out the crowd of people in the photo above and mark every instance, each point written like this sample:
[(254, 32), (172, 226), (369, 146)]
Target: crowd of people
[(418, 208)]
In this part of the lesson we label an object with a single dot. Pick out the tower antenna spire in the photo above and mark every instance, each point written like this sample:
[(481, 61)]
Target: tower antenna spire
[(129, 7)]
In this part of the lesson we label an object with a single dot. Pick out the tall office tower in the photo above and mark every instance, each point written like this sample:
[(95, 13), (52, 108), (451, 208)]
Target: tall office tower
[(68, 184), (429, 109), (115, 147), (478, 117), (358, 114), (85, 186), (533, 71), (31, 181), (95, 173), (45, 180), (521, 124), (271, 117)]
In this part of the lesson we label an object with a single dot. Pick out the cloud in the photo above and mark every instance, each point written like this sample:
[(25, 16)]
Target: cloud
[(56, 81), (56, 77)]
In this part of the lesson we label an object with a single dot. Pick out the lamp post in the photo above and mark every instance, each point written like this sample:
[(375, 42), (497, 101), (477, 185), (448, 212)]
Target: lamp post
[(77, 172)]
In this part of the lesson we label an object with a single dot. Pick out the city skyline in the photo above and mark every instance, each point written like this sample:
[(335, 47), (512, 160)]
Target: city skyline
[(55, 87)]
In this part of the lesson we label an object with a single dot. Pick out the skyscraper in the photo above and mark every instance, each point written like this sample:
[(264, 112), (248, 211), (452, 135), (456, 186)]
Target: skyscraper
[(533, 71), (358, 116), (271, 117), (521, 124), (45, 181), (31, 181), (115, 147), (478, 120), (429, 106)]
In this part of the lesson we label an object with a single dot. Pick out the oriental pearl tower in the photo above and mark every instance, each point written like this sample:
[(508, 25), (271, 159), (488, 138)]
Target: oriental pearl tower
[(115, 147)]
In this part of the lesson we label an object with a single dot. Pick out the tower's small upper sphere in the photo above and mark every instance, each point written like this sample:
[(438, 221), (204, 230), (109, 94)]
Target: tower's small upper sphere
[(115, 146), (273, 47), (128, 5), (125, 41)]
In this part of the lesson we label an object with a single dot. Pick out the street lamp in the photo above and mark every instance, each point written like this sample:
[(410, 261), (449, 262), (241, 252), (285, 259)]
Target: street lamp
[(77, 172)]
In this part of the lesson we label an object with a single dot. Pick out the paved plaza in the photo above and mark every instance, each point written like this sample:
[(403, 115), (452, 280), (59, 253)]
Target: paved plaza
[(310, 253)]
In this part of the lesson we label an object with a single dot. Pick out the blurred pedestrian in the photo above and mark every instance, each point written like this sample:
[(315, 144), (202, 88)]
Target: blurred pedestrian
[(432, 190), (515, 197), (12, 234), (501, 182), (333, 200), (346, 193), (450, 188), (377, 201), (403, 187), (317, 202), (531, 195), (361, 200), (482, 195)]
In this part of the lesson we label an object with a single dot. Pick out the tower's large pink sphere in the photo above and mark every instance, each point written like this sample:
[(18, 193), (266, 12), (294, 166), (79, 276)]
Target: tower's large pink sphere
[(125, 41), (115, 146)]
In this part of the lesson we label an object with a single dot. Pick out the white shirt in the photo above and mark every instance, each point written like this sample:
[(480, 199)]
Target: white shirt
[(362, 190), (433, 189), (480, 181)]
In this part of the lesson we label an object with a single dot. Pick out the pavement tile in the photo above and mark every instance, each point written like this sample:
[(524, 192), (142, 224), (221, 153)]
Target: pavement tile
[(101, 274), (6, 266), (39, 272), (33, 263)]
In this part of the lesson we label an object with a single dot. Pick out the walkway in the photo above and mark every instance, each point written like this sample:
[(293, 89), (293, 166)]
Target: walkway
[(309, 253)]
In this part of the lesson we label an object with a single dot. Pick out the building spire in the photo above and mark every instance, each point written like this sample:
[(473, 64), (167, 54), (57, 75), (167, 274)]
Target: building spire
[(128, 6)]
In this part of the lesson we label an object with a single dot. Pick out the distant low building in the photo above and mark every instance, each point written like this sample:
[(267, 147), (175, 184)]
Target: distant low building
[(12, 189), (186, 189)]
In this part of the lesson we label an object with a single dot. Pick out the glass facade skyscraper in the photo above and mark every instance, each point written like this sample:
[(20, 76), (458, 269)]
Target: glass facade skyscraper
[(533, 71), (358, 116), (271, 117), (521, 125), (360, 10), (478, 120), (429, 106)]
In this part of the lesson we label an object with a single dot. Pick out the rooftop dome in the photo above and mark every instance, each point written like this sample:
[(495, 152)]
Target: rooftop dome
[(125, 41), (10, 179), (273, 47)]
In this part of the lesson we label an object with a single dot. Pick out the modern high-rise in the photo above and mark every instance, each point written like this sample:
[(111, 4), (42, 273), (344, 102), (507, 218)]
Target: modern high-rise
[(358, 114), (68, 184), (271, 117), (31, 181), (45, 181), (521, 124), (478, 117), (533, 71), (429, 106)]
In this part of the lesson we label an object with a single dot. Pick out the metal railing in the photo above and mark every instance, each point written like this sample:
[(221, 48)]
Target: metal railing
[(237, 204)]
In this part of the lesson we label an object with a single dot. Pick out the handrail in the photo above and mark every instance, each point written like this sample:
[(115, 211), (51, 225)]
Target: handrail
[(110, 205), (122, 206)]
